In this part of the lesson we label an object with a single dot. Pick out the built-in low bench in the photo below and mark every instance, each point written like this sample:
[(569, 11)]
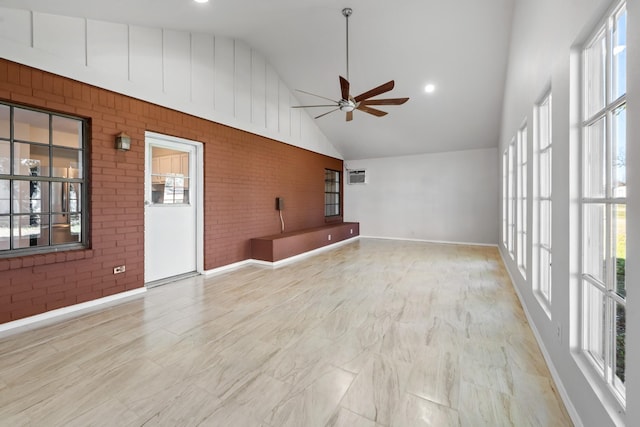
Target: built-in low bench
[(278, 247)]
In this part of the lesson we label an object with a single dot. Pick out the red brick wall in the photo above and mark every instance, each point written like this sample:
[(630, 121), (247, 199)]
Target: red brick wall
[(243, 174)]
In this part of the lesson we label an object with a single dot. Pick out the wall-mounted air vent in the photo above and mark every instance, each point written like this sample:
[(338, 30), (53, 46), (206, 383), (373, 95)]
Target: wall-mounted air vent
[(357, 176)]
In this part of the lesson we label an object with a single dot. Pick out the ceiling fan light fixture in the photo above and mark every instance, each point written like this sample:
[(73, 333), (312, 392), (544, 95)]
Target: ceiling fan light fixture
[(347, 105)]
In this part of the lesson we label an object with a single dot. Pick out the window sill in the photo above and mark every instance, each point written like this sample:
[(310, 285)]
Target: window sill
[(612, 405)]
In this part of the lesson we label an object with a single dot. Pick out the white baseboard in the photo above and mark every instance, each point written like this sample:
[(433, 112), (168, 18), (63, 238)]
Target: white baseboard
[(573, 413), (228, 267), (439, 242), (49, 315)]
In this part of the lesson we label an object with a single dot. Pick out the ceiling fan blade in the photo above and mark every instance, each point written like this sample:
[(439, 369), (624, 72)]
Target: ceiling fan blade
[(313, 106), (375, 91), (349, 116), (388, 101), (319, 96), (375, 112), (328, 112), (344, 87)]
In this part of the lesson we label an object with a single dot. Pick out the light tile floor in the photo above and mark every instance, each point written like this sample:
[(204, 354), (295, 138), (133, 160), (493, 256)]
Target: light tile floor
[(374, 333)]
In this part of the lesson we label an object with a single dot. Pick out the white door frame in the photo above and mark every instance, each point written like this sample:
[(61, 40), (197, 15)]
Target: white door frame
[(199, 163)]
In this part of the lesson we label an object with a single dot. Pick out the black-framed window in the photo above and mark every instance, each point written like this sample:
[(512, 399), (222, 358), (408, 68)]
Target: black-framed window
[(43, 183), (331, 192)]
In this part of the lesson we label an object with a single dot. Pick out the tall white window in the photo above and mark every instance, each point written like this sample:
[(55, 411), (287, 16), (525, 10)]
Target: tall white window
[(505, 196), (521, 200), (543, 187), (511, 184), (604, 200)]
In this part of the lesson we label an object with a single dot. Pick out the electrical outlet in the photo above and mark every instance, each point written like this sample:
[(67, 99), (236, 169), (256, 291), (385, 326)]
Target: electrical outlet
[(119, 269), (351, 230), (329, 237)]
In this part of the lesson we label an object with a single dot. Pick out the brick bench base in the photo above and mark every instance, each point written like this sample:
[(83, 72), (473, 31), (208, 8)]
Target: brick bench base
[(285, 245)]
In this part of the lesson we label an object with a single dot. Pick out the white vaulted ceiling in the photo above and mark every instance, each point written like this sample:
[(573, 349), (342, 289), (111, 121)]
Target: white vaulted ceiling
[(460, 46)]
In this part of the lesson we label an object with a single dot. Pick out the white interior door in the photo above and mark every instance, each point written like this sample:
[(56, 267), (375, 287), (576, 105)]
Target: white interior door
[(171, 200)]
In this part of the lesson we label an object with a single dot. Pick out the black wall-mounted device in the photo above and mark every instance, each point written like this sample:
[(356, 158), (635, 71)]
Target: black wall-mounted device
[(279, 203)]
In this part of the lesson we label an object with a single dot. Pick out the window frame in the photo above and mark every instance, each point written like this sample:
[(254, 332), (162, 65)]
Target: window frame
[(543, 165), (329, 194), (598, 319), (505, 197), (511, 198), (50, 180), (521, 198)]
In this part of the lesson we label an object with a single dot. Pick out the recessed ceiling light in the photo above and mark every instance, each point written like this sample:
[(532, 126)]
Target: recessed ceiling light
[(430, 88), (201, 1)]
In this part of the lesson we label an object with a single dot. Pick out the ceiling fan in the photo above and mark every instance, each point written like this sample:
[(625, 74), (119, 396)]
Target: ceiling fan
[(361, 102)]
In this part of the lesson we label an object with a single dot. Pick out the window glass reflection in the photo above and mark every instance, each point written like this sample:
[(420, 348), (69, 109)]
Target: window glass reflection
[(30, 160), (67, 163), (5, 153), (31, 126), (5, 203), (30, 231), (30, 197), (5, 121), (67, 132)]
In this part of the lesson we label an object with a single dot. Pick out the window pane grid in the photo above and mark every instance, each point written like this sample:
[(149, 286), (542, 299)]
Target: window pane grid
[(511, 199), (41, 180), (521, 200), (331, 193), (505, 202), (543, 206), (604, 201)]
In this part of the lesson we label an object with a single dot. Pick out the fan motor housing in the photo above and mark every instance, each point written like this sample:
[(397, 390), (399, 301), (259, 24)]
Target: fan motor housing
[(347, 105)]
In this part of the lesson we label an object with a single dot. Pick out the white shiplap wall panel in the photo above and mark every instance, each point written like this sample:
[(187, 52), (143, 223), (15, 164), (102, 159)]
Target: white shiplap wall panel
[(272, 98), (108, 47), (284, 110), (176, 49), (307, 136), (202, 69), (62, 36), (242, 73), (224, 64), (145, 57), (258, 90), (16, 25), (216, 78), (296, 116)]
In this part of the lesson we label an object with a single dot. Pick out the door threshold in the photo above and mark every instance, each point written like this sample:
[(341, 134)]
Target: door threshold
[(171, 279)]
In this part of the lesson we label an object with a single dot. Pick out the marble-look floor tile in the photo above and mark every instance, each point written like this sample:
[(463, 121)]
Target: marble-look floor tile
[(404, 341), (314, 405), (180, 404), (374, 333), (378, 388), (416, 412), (485, 364), (483, 407), (109, 412), (345, 418), (435, 376)]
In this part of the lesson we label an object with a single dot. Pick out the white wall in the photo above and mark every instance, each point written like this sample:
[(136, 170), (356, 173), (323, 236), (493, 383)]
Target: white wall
[(216, 78), (448, 197), (544, 52)]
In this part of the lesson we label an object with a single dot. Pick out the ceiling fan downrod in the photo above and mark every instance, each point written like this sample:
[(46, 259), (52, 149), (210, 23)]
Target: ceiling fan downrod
[(347, 11)]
